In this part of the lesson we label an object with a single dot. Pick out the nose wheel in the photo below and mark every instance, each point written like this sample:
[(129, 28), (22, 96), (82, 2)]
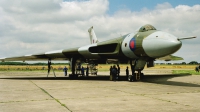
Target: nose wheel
[(136, 76)]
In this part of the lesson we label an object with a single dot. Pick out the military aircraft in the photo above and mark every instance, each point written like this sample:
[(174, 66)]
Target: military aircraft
[(139, 48)]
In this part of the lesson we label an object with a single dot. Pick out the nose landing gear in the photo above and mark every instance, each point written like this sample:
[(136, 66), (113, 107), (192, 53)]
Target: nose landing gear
[(136, 76), (137, 66)]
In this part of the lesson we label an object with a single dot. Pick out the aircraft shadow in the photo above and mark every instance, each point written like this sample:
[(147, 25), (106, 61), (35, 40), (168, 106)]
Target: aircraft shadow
[(98, 78), (163, 80), (157, 79)]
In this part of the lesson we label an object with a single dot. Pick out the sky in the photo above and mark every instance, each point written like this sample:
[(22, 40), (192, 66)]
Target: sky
[(135, 5), (36, 26)]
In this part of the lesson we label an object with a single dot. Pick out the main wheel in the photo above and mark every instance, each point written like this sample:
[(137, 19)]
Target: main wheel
[(134, 77), (130, 78), (142, 75)]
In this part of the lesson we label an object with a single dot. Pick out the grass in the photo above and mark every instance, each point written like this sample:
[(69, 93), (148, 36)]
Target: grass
[(193, 72), (28, 68), (177, 69)]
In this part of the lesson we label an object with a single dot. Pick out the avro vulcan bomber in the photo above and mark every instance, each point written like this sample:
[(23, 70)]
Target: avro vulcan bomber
[(139, 48)]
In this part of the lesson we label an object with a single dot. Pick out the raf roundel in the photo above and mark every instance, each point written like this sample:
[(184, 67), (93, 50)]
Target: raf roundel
[(132, 44)]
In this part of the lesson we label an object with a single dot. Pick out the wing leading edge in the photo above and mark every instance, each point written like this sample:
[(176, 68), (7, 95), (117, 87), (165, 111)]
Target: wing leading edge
[(53, 55)]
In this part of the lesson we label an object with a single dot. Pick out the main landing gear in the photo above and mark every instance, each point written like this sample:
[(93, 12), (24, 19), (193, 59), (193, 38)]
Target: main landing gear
[(73, 68)]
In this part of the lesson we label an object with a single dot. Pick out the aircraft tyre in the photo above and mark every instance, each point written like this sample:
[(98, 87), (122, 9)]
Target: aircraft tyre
[(142, 75), (130, 78), (134, 77), (73, 76)]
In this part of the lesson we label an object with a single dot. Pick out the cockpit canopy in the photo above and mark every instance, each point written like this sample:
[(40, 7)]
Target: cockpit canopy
[(147, 27)]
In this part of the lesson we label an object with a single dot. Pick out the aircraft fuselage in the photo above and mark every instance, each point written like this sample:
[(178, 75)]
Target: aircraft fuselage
[(151, 43)]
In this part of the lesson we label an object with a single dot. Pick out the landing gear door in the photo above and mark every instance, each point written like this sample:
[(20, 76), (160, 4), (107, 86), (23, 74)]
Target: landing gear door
[(150, 63), (140, 64)]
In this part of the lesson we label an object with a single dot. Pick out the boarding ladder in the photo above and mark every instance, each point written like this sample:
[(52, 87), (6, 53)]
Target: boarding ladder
[(53, 72)]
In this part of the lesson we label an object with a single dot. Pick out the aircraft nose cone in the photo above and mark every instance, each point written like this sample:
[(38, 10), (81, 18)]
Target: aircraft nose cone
[(172, 46), (161, 47)]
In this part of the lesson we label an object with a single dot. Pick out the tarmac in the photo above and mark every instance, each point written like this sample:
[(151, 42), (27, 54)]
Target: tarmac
[(159, 91)]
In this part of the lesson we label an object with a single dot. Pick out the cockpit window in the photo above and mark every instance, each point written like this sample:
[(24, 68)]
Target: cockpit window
[(146, 28)]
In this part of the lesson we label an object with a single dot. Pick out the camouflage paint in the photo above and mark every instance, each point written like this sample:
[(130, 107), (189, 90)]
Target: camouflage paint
[(125, 47), (139, 37)]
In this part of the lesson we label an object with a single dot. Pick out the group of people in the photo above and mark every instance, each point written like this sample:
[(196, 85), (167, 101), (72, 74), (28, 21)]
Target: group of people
[(197, 68), (81, 69), (115, 72)]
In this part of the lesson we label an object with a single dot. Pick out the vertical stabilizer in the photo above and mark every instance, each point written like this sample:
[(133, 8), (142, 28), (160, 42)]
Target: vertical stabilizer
[(93, 38)]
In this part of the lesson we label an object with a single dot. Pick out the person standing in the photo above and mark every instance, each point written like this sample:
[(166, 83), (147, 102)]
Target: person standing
[(82, 71), (127, 72), (49, 65), (197, 69), (118, 71), (114, 72), (65, 70), (87, 71), (111, 76)]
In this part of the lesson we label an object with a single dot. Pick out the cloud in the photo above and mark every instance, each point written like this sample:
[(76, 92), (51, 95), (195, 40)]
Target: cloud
[(36, 26), (163, 6), (83, 10)]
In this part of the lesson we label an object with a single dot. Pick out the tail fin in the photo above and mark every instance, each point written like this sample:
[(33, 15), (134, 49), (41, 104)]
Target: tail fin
[(93, 38)]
